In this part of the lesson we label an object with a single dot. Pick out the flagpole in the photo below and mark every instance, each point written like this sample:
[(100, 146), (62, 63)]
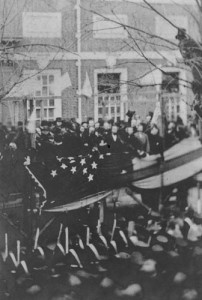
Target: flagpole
[(161, 167), (78, 36)]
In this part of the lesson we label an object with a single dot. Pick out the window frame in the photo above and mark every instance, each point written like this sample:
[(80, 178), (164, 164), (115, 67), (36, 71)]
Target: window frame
[(123, 93)]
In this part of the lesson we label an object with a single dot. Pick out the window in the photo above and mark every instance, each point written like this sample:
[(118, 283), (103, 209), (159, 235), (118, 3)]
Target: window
[(109, 99), (171, 104), (107, 29), (166, 30), (42, 25), (170, 82), (109, 83), (45, 86), (44, 101)]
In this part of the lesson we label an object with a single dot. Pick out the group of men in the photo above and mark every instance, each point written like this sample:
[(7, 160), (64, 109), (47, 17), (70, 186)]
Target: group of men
[(70, 138)]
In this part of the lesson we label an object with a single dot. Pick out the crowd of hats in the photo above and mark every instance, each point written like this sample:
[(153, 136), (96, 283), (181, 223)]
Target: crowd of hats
[(125, 258)]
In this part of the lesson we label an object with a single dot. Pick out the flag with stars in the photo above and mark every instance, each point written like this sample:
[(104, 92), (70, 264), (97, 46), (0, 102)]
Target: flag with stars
[(81, 179)]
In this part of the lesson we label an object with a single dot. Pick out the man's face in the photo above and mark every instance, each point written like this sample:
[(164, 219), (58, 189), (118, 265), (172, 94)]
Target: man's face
[(140, 128), (82, 129), (45, 131), (154, 131), (91, 129), (85, 125), (63, 130), (91, 123), (106, 125), (114, 129), (59, 123), (133, 123), (130, 130), (97, 125)]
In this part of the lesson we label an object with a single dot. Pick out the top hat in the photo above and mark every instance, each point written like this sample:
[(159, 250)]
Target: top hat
[(181, 33), (44, 123), (58, 119), (130, 113)]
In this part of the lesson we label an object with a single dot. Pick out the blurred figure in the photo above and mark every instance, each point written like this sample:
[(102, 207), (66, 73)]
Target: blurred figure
[(39, 130), (155, 141), (134, 125), (91, 123), (171, 137), (143, 140), (11, 132), (131, 142), (148, 121), (98, 129), (130, 115), (58, 126), (138, 120), (181, 130), (75, 125), (122, 130), (85, 125), (2, 138), (114, 142), (92, 139), (106, 131), (193, 130), (22, 139)]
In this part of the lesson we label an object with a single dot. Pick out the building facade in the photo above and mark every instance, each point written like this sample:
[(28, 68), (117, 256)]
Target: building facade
[(93, 58)]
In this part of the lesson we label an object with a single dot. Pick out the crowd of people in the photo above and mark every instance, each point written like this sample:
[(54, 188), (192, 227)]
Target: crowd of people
[(69, 138)]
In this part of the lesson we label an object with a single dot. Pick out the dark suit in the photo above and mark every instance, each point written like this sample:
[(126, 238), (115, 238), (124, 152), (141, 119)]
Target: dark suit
[(131, 144), (114, 143), (156, 144)]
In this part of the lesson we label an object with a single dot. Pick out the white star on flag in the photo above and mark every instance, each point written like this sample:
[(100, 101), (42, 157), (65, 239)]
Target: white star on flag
[(59, 158), (54, 173), (73, 170), (101, 156), (83, 161), (85, 171), (94, 165), (63, 166), (90, 177)]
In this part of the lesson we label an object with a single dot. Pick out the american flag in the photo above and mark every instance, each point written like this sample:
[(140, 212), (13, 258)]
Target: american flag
[(69, 179)]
